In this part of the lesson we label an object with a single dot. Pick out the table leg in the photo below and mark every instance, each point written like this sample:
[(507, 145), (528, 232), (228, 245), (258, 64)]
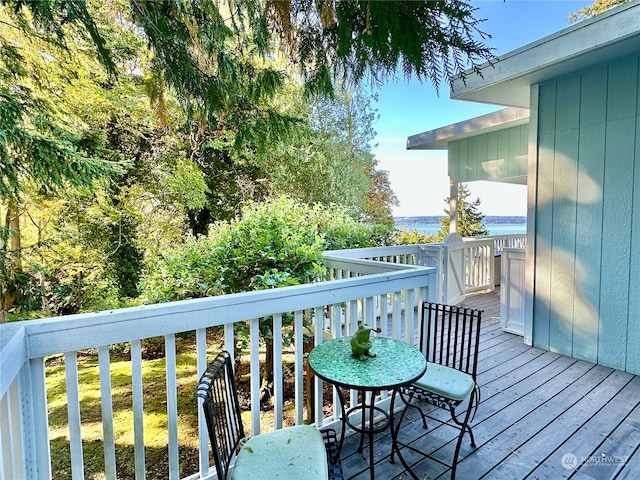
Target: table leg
[(366, 428), (371, 458)]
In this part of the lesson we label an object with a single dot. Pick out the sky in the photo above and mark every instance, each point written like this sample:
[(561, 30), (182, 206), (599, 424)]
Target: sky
[(419, 177)]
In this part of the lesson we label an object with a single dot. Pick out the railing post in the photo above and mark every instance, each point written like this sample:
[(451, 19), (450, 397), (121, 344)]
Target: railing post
[(36, 421)]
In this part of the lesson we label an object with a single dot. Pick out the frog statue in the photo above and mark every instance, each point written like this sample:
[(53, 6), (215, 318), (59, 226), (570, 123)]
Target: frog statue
[(360, 342)]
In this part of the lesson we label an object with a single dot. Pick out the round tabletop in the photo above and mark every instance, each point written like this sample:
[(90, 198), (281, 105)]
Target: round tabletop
[(396, 363)]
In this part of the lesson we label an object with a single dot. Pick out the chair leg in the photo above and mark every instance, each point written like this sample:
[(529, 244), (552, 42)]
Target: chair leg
[(334, 465), (464, 427), (407, 403)]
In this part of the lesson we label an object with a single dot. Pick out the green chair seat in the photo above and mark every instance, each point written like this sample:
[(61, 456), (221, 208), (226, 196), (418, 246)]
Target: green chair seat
[(445, 381), (296, 453)]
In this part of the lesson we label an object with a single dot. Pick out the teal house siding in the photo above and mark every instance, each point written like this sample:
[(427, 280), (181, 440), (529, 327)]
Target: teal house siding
[(498, 155), (571, 131), (587, 215)]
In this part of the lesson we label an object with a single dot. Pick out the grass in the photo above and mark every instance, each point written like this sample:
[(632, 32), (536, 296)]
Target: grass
[(155, 413)]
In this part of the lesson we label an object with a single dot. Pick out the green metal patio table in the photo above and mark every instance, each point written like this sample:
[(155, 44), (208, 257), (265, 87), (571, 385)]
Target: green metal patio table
[(396, 364)]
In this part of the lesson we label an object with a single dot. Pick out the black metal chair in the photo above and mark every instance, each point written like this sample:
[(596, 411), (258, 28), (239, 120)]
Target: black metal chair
[(296, 452), (449, 338)]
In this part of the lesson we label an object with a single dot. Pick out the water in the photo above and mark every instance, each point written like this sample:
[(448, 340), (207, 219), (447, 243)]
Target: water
[(494, 229)]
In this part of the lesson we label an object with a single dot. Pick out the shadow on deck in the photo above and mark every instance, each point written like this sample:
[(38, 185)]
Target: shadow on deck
[(542, 416)]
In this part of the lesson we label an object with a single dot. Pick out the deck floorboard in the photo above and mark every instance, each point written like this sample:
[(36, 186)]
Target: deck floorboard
[(542, 416)]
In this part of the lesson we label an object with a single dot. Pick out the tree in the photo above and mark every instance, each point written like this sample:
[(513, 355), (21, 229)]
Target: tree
[(71, 135), (470, 220), (204, 48), (328, 158), (43, 149), (380, 198), (40, 148)]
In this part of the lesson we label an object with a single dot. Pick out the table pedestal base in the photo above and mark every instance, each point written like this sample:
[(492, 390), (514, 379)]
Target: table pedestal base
[(367, 425)]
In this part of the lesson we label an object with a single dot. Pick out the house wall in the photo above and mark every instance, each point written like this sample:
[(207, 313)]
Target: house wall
[(587, 216), (489, 156)]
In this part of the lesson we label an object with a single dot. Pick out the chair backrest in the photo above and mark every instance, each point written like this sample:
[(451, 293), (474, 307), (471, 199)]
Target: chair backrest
[(217, 389), (450, 336)]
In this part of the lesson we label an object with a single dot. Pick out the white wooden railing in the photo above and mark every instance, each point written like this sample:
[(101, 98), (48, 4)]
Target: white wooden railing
[(380, 294), (480, 252), (381, 287), (500, 242)]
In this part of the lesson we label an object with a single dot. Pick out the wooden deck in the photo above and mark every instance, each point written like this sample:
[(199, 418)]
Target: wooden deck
[(542, 416)]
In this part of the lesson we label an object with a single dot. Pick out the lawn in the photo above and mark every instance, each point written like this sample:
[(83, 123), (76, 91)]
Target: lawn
[(155, 412)]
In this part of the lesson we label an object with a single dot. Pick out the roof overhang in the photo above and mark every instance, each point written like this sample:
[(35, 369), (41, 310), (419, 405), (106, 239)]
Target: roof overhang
[(605, 37), (439, 138)]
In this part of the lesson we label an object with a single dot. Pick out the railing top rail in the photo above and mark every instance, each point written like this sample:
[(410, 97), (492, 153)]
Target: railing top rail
[(373, 251), (122, 325), (494, 237), (13, 353), (366, 267)]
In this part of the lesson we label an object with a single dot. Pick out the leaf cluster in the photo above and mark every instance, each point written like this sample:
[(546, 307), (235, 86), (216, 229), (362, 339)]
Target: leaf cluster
[(432, 41), (272, 244), (596, 8), (40, 150)]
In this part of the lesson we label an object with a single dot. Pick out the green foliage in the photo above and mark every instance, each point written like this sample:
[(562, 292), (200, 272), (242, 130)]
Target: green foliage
[(412, 237), (429, 40), (343, 231), (328, 160), (273, 244), (596, 8), (39, 149)]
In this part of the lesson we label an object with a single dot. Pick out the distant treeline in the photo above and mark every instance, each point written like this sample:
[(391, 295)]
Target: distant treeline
[(435, 220)]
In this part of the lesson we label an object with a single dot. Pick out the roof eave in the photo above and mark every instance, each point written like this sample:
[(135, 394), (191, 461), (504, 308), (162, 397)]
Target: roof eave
[(605, 37), (439, 138)]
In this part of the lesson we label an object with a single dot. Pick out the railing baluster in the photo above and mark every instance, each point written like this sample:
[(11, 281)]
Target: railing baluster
[(318, 384), (230, 340), (39, 417), (73, 412), (172, 405), (337, 331), (335, 314), (298, 372), (106, 404), (7, 454), (369, 313), (384, 315), (201, 366), (351, 330), (11, 454), (254, 366), (408, 316), (138, 412), (277, 371), (396, 315)]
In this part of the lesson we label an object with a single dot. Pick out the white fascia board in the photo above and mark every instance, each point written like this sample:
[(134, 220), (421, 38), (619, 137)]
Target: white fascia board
[(439, 138), (607, 36)]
